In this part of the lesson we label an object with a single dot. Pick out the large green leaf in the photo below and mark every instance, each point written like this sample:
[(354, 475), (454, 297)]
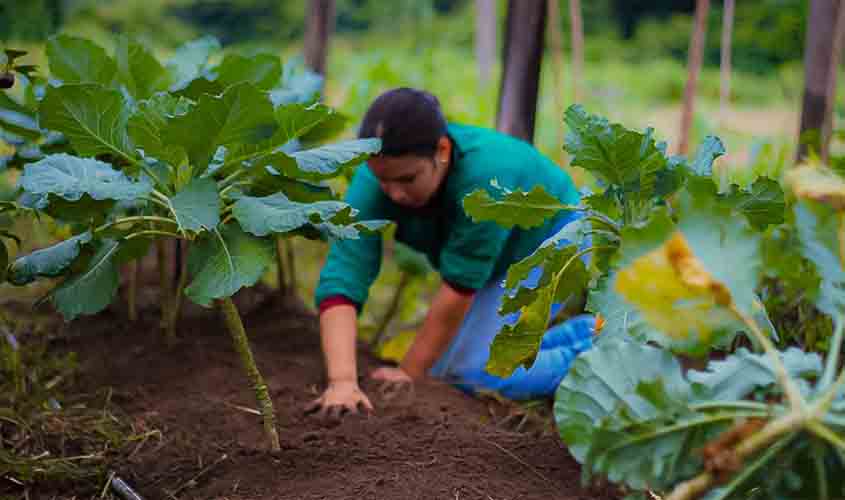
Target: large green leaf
[(296, 120), (819, 230), (50, 262), (74, 60), (197, 207), (608, 411), (92, 288), (563, 274), (138, 69), (617, 156), (150, 118), (513, 208), (222, 262), (242, 115), (262, 70), (71, 177), (267, 181), (738, 375), (278, 214), (190, 59), (762, 202), (93, 118), (323, 162)]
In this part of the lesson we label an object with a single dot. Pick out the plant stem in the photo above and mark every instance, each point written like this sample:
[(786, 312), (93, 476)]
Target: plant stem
[(158, 202), (694, 487), (236, 330), (824, 432), (132, 290), (234, 175), (822, 404), (137, 218), (292, 284), (163, 258), (152, 232), (381, 329), (176, 304), (788, 385), (280, 268), (832, 362)]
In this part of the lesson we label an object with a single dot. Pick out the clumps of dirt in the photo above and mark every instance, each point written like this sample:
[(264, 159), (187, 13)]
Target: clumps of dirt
[(442, 444)]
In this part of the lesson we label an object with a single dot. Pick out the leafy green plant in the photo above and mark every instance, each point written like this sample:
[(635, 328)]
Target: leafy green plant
[(186, 151), (678, 261)]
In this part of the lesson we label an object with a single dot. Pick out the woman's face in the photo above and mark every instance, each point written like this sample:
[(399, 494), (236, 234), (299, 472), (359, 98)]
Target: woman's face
[(412, 180)]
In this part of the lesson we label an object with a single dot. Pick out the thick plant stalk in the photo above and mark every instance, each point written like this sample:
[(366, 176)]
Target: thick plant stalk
[(236, 330), (381, 330), (175, 308), (164, 284), (132, 290), (696, 55)]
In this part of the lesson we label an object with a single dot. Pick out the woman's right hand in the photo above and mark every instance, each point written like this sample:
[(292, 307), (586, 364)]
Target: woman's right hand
[(339, 399)]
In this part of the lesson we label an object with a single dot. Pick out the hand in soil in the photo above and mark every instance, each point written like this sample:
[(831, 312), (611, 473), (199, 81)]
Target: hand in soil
[(338, 400), (395, 383)]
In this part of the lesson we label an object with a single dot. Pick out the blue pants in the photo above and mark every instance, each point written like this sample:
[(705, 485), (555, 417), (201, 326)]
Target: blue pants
[(463, 362)]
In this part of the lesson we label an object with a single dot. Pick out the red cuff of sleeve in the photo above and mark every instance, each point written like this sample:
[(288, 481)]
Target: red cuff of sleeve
[(462, 290), (335, 300)]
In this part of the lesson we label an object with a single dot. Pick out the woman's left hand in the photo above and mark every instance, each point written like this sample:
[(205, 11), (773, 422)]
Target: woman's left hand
[(395, 382)]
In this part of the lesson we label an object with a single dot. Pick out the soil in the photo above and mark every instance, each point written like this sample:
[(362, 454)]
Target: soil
[(441, 444)]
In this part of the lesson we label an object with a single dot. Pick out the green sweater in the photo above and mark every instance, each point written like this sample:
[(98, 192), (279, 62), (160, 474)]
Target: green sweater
[(467, 254)]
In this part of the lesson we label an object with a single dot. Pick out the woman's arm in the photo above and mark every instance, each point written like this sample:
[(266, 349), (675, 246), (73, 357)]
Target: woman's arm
[(444, 318), (337, 336)]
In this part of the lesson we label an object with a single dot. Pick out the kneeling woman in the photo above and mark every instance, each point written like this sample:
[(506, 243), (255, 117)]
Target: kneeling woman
[(419, 180)]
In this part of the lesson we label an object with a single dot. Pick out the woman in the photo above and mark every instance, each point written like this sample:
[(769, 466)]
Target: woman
[(419, 179)]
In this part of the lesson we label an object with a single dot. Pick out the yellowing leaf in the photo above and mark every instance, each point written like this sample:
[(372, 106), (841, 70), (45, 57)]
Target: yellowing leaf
[(674, 292), (818, 183)]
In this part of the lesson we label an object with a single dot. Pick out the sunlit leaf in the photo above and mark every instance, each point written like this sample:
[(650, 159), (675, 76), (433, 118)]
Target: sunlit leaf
[(818, 183), (138, 69), (322, 162), (71, 177), (197, 207), (93, 119), (262, 70), (75, 60)]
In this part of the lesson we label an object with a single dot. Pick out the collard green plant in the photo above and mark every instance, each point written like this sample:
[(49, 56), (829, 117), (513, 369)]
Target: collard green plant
[(678, 263), (179, 150)]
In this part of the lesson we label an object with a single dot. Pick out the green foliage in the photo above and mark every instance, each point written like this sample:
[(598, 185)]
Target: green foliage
[(213, 168), (681, 256)]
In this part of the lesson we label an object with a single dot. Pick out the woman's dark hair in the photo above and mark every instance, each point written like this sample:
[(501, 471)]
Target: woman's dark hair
[(408, 121)]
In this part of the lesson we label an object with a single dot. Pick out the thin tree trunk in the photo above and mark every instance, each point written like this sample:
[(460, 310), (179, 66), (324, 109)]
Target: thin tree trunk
[(236, 330), (696, 54), (319, 24), (818, 52), (835, 60), (725, 60), (523, 54), (485, 39), (577, 48), (556, 46)]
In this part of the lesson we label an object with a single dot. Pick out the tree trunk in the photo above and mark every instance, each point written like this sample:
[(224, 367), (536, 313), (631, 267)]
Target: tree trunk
[(696, 53), (818, 52), (556, 47), (319, 22), (523, 53), (485, 39), (725, 61), (835, 60), (577, 48)]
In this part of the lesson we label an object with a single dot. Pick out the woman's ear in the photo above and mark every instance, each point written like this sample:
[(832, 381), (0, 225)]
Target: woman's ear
[(444, 151)]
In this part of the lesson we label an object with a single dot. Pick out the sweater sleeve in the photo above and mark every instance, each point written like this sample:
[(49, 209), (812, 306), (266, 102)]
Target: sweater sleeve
[(353, 265)]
